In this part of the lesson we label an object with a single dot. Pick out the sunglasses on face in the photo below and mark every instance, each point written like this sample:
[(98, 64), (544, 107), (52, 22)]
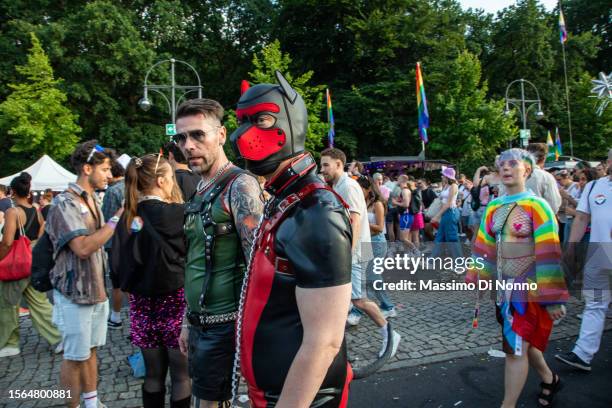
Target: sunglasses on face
[(512, 163), (197, 134)]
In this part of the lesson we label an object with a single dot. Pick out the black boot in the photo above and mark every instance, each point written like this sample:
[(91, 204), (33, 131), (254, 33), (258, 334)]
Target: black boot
[(184, 403), (153, 399)]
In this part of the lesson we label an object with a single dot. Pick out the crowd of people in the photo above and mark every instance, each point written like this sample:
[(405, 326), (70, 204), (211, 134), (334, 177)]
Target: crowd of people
[(256, 271)]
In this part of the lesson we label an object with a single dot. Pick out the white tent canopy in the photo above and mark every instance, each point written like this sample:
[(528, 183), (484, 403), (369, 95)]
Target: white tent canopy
[(46, 173)]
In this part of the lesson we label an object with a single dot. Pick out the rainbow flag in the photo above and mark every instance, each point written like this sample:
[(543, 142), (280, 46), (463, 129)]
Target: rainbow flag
[(330, 119), (558, 146), (562, 30), (421, 104), (551, 147)]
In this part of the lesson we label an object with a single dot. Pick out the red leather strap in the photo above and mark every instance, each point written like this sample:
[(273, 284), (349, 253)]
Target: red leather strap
[(266, 239)]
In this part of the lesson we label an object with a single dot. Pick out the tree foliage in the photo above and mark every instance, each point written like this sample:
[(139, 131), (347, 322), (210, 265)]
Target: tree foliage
[(469, 128), (271, 59), (34, 115), (364, 51)]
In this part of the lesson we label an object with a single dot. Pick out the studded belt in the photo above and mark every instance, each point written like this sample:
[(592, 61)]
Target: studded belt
[(202, 320)]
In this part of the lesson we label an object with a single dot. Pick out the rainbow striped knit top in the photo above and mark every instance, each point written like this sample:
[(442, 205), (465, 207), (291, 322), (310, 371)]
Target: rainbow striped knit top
[(545, 270)]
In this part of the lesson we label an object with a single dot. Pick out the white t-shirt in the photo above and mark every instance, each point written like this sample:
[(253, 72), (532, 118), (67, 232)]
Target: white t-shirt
[(352, 194), (574, 192), (598, 203)]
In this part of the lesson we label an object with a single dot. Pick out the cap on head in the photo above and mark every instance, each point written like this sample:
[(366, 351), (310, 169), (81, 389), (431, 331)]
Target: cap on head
[(264, 149)]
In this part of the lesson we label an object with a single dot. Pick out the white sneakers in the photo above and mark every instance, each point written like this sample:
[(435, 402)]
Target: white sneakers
[(395, 340), (389, 313), (9, 351)]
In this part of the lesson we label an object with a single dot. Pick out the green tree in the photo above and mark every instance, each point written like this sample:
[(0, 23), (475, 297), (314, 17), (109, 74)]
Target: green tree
[(521, 47), (34, 115), (466, 127), (592, 133), (592, 16), (270, 59)]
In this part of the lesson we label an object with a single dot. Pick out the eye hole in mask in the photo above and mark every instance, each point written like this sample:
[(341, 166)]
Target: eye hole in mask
[(259, 120)]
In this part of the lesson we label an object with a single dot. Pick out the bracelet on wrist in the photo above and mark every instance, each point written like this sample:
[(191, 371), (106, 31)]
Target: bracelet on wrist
[(113, 222)]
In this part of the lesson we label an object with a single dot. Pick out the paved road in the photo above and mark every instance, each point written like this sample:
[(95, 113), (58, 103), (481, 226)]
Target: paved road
[(477, 381), (435, 326)]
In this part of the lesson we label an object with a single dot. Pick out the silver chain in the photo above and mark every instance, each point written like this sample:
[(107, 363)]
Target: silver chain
[(245, 283), (203, 186)]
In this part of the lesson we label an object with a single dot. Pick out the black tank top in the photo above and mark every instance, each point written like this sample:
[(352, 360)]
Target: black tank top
[(31, 225)]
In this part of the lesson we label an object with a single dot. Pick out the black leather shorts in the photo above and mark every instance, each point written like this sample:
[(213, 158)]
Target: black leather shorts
[(211, 359)]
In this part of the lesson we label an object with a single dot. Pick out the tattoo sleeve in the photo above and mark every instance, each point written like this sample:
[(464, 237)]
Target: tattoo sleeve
[(247, 208)]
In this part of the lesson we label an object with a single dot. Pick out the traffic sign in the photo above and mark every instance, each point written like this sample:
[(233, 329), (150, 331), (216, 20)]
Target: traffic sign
[(525, 136), (170, 129)]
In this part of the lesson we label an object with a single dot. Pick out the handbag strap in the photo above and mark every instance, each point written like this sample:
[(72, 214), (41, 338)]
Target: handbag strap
[(20, 225)]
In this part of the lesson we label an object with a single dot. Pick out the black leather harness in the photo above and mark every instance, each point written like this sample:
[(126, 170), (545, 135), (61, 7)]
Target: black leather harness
[(218, 229)]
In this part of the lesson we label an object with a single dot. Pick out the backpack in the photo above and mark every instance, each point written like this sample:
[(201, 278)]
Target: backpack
[(415, 202), (42, 263)]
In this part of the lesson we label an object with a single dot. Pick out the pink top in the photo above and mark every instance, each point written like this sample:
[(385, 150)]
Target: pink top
[(385, 192)]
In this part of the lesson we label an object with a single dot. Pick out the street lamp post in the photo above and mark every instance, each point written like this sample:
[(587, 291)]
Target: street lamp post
[(145, 104), (524, 105)]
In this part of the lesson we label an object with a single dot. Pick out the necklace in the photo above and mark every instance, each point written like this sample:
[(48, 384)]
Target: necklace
[(150, 197), (202, 186)]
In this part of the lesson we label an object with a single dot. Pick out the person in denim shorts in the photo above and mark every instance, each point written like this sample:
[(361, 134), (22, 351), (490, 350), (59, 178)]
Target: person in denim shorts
[(77, 230)]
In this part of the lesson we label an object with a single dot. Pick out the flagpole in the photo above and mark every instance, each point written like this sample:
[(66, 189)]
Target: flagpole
[(569, 114)]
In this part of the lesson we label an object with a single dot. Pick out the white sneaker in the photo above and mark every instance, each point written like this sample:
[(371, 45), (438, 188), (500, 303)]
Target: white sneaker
[(395, 340), (59, 349), (389, 313), (9, 351), (353, 319)]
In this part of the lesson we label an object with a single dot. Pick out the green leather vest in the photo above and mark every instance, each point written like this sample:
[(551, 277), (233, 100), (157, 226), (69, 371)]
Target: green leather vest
[(223, 292)]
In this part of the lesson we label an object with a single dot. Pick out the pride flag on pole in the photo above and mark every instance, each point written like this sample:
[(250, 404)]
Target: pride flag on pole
[(562, 30), (421, 104), (558, 146), (330, 119), (551, 146)]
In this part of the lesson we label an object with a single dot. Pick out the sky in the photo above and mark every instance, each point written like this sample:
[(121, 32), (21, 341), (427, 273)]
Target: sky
[(493, 6)]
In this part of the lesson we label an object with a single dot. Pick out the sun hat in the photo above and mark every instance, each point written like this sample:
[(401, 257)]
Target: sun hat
[(448, 172)]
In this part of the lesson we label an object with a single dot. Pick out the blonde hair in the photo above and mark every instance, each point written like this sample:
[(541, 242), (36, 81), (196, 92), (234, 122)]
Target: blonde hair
[(141, 175)]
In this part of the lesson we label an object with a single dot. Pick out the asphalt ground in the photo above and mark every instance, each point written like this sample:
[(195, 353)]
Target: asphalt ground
[(477, 381)]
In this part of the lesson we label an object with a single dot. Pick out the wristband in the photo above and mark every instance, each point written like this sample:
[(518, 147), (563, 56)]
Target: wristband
[(113, 222)]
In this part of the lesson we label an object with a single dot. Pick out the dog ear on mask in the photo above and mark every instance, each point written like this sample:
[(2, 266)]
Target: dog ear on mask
[(287, 89), (244, 86)]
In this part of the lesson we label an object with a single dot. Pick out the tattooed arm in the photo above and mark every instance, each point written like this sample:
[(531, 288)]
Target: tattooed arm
[(247, 208)]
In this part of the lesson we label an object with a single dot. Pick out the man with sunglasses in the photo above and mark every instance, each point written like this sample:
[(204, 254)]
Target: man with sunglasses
[(220, 220), (76, 228)]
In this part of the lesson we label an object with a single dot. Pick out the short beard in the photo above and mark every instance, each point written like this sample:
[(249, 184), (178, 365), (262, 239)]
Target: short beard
[(92, 183), (204, 168), (201, 170)]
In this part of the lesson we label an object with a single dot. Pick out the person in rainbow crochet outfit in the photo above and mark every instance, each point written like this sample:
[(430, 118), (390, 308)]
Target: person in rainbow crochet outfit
[(519, 242)]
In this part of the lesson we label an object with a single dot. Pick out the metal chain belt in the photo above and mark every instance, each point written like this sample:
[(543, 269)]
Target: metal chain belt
[(206, 320), (221, 318)]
